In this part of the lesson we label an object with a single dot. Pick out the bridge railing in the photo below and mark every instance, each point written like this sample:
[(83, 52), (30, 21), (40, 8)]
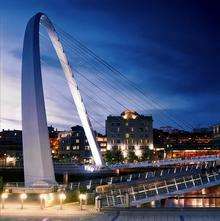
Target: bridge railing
[(144, 176), (137, 195), (165, 162)]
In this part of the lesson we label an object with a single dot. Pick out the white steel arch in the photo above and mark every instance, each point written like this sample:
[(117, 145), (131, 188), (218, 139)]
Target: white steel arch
[(38, 165)]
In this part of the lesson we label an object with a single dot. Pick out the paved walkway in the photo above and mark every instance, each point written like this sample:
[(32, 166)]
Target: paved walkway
[(32, 211), (72, 212)]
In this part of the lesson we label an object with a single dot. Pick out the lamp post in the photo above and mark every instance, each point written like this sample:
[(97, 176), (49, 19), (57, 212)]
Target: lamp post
[(23, 197), (42, 200), (62, 197), (4, 196), (81, 198)]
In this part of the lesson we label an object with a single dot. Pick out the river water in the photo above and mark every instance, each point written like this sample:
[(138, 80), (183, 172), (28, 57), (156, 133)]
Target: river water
[(209, 197)]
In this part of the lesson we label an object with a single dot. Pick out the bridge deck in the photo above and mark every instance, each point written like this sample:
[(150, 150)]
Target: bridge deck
[(140, 194)]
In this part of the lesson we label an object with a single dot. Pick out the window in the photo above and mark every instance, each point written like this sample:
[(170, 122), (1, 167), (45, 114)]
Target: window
[(141, 129), (77, 140), (126, 135), (67, 147), (126, 124), (132, 129), (118, 141)]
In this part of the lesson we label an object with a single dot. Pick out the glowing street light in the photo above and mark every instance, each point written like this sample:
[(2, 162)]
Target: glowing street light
[(62, 197), (4, 196), (23, 197), (42, 200), (82, 197)]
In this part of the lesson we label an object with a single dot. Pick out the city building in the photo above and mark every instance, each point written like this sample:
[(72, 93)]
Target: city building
[(129, 132), (183, 144), (216, 136), (11, 152), (54, 142), (74, 146), (10, 147), (102, 142)]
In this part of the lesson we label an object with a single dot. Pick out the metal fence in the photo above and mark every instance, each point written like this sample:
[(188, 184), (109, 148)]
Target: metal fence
[(140, 194)]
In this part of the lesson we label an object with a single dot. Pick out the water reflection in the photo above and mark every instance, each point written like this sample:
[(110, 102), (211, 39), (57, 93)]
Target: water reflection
[(205, 198), (209, 197)]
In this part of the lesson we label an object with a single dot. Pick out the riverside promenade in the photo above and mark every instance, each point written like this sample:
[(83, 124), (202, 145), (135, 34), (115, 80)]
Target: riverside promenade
[(73, 212)]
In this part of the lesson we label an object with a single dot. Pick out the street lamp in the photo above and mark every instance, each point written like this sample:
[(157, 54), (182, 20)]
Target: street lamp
[(42, 200), (4, 196), (23, 197), (81, 198), (62, 197)]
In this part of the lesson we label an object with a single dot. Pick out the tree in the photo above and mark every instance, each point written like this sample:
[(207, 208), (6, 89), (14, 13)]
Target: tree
[(131, 156), (147, 154), (108, 156), (113, 156)]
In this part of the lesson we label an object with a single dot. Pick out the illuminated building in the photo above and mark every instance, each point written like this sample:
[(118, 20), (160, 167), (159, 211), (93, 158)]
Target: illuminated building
[(129, 132), (10, 147), (183, 144), (74, 146), (102, 142), (216, 137), (54, 142)]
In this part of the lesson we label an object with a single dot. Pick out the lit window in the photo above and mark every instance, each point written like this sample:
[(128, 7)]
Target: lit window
[(127, 135), (132, 129), (77, 140), (68, 148)]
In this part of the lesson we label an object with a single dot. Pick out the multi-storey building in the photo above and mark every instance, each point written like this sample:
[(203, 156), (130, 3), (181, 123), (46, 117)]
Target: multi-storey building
[(102, 142), (54, 142), (183, 144), (129, 132), (216, 138), (74, 146), (10, 147)]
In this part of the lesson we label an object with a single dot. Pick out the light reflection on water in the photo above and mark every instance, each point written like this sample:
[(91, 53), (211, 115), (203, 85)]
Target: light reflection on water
[(205, 198)]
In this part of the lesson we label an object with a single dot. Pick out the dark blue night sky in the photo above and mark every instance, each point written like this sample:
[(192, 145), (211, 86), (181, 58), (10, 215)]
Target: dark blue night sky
[(171, 49)]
